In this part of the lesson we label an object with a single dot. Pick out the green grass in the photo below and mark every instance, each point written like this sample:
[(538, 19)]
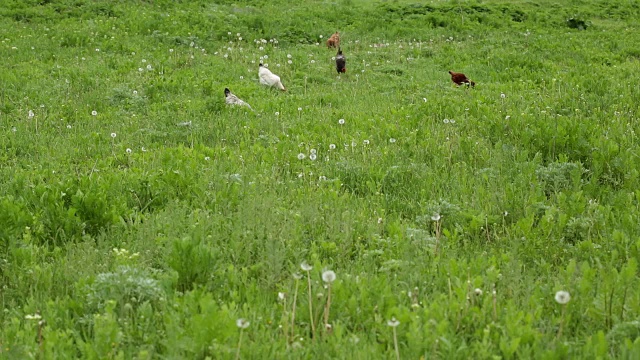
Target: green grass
[(127, 235)]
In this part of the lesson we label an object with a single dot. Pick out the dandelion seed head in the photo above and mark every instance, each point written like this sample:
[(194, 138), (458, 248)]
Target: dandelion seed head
[(393, 322), (436, 217), (312, 157), (341, 121), (328, 276), (332, 146), (305, 267), (113, 135), (301, 156), (94, 113), (392, 140), (129, 151), (562, 297)]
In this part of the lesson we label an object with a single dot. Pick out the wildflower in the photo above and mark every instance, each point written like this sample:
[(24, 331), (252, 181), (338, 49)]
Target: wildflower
[(35, 316), (313, 151), (261, 48), (288, 56), (266, 57), (242, 323), (562, 297), (312, 157), (289, 62), (135, 92), (299, 109), (328, 276), (313, 61), (241, 77), (366, 142), (94, 113), (207, 158), (392, 140), (301, 156), (277, 113), (69, 126), (97, 50), (304, 266), (393, 322), (320, 36), (507, 117), (503, 95), (280, 296), (332, 146), (113, 135), (170, 50), (149, 67), (140, 69), (446, 121), (129, 151), (229, 33), (424, 99), (341, 121), (297, 276), (436, 217), (478, 292)]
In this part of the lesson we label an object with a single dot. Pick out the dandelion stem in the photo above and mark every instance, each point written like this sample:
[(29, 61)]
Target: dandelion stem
[(395, 343), (239, 344), (313, 327), (293, 311), (564, 308), (327, 308)]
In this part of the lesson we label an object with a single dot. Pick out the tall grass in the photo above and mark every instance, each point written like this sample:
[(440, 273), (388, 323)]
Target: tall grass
[(141, 217)]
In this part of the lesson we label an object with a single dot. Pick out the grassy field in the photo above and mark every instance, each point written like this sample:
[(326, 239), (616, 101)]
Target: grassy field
[(143, 218)]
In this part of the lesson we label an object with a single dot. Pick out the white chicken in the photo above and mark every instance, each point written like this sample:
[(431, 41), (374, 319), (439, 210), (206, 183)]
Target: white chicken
[(234, 100), (270, 79)]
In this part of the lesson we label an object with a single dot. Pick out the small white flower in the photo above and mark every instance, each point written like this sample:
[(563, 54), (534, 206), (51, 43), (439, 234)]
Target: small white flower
[(297, 276), (393, 322), (135, 92), (261, 48), (366, 142), (242, 323), (129, 151), (424, 99), (446, 121), (288, 56), (478, 292), (94, 113), (149, 67), (341, 121), (392, 140), (301, 156), (289, 62), (143, 149), (31, 114), (144, 60), (229, 33), (306, 267), (207, 158), (281, 296), (277, 113), (97, 50), (35, 316), (313, 61), (503, 95), (299, 109), (320, 36), (507, 117), (266, 57), (332, 146), (313, 151), (170, 50), (140, 69), (436, 217), (562, 297), (312, 157), (328, 276), (69, 126), (113, 135)]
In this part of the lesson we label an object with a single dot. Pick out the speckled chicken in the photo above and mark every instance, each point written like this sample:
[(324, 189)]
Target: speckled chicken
[(234, 100), (460, 78)]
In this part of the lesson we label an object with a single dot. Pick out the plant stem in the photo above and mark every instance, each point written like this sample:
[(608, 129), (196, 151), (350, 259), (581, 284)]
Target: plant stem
[(313, 327), (564, 308), (239, 344), (293, 311), (327, 308), (395, 343)]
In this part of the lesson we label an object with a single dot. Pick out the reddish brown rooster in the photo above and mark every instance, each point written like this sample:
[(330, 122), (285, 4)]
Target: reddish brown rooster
[(460, 78), (334, 41)]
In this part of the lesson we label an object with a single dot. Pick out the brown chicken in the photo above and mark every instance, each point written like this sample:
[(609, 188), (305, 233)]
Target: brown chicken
[(334, 41), (460, 78)]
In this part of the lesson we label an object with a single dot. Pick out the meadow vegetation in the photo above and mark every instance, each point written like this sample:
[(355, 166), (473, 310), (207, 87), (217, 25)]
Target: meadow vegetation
[(142, 218)]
